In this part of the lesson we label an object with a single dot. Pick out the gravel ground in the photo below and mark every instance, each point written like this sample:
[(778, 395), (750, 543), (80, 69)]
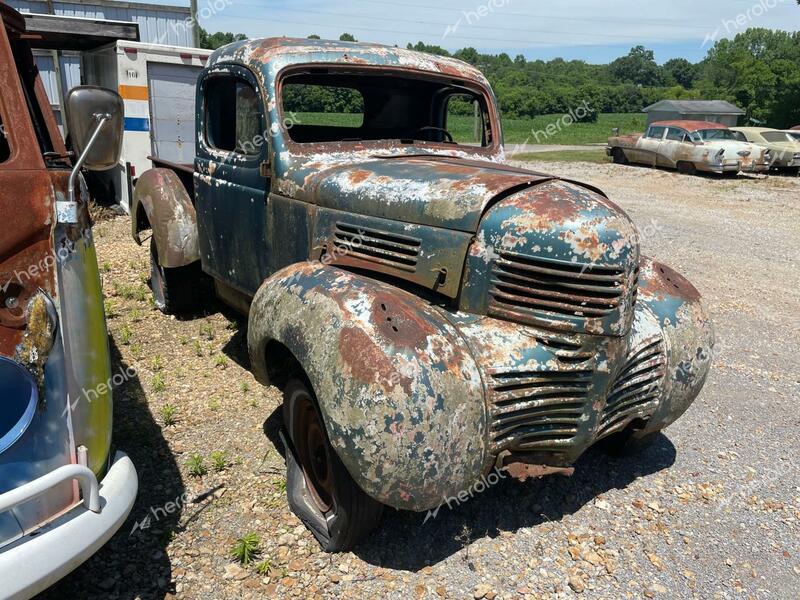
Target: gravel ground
[(711, 510)]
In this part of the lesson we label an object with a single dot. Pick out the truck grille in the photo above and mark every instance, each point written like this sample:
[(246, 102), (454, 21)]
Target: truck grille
[(537, 410), (525, 284), (636, 390), (372, 245)]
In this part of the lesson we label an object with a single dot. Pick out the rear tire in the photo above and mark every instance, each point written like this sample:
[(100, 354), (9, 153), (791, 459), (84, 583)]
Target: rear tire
[(320, 490), (618, 156), (175, 290)]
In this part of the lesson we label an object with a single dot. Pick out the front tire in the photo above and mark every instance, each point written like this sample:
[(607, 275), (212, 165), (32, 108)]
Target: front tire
[(175, 290), (618, 156), (320, 490)]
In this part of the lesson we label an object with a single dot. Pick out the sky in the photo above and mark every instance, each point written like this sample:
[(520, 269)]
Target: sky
[(592, 30)]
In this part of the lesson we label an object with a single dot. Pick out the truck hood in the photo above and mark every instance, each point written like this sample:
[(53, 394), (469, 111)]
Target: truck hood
[(431, 190)]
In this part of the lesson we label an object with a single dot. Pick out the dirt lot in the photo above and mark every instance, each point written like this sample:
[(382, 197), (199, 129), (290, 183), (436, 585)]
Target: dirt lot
[(712, 510)]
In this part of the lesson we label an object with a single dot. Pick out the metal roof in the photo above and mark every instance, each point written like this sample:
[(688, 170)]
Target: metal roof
[(696, 107), (75, 33)]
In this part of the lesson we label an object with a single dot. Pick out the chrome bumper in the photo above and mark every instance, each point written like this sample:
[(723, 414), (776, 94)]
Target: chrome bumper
[(33, 563)]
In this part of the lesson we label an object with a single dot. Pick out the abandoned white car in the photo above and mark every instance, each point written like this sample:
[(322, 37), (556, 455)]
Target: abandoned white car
[(690, 146)]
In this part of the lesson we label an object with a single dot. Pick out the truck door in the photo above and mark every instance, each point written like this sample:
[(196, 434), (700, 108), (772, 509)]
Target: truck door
[(230, 184)]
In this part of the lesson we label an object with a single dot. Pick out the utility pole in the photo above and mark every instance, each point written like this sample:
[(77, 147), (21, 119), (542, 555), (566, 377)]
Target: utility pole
[(195, 24)]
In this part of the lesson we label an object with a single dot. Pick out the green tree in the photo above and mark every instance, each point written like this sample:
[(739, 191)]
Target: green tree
[(681, 72), (638, 67), (347, 37), (218, 39)]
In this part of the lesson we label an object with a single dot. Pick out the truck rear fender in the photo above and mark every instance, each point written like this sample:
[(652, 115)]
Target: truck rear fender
[(161, 203), (399, 391)]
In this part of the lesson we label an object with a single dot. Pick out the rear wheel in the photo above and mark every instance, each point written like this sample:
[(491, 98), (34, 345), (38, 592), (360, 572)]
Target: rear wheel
[(175, 290), (618, 156), (320, 490)]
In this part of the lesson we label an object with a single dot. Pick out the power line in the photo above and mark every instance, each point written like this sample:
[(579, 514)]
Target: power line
[(451, 26)]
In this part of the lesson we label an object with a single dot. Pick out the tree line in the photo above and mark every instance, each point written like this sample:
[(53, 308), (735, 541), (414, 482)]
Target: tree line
[(758, 70)]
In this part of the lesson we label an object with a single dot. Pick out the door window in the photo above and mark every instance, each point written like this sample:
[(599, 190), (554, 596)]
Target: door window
[(234, 122), (5, 150), (656, 133), (677, 135)]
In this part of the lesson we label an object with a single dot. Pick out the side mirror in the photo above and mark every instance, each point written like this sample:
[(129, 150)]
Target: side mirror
[(95, 119), (615, 131)]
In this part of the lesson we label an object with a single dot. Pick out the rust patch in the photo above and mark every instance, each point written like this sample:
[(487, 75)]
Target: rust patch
[(367, 361)]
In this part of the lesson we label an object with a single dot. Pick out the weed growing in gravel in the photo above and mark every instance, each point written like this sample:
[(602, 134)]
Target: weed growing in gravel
[(184, 340), (110, 308), (198, 348), (244, 387), (158, 383), (196, 466), (221, 361), (141, 293), (214, 405), (136, 315), (137, 351), (263, 567), (157, 363), (254, 402), (106, 267), (207, 331), (219, 460), (125, 334), (168, 414), (280, 485), (247, 548)]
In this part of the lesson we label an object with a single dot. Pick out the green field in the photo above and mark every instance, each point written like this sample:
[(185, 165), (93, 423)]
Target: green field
[(516, 131)]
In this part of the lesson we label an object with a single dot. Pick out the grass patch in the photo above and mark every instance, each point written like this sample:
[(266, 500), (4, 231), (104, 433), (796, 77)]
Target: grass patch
[(594, 156)]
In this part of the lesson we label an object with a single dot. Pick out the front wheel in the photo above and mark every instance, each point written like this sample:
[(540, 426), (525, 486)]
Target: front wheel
[(175, 290), (618, 156), (320, 490)]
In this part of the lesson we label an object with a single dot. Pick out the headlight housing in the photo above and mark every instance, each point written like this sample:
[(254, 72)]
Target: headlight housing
[(20, 396)]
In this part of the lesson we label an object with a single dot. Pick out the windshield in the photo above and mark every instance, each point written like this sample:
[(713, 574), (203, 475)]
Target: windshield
[(794, 135), (348, 107), (713, 135)]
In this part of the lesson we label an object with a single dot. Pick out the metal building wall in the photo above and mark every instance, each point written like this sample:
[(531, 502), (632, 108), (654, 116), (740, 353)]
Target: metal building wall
[(158, 24)]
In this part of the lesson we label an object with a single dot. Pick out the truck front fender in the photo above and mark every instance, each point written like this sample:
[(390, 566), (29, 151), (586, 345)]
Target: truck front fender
[(399, 391), (688, 335), (161, 201)]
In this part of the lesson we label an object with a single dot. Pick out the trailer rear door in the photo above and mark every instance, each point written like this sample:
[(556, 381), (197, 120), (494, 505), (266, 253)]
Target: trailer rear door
[(172, 99)]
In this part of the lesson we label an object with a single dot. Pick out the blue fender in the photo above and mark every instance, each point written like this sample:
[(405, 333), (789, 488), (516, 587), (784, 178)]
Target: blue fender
[(401, 395), (688, 336)]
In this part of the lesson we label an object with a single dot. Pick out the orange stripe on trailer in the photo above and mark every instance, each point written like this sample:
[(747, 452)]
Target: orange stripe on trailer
[(133, 92)]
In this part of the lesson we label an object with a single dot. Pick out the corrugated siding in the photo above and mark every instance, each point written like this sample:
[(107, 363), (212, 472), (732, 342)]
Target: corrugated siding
[(157, 25)]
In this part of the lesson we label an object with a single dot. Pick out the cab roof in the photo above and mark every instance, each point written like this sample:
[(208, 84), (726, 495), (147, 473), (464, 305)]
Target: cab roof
[(690, 125), (278, 52)]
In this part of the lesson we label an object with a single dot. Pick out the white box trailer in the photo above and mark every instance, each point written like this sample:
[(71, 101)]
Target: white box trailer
[(157, 84)]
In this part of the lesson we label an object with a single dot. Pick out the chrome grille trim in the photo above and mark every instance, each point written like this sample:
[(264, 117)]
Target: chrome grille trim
[(637, 389), (537, 410), (522, 283)]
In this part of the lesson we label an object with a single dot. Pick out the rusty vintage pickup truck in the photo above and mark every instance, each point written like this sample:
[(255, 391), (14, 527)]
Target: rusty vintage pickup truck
[(430, 312), (690, 146)]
